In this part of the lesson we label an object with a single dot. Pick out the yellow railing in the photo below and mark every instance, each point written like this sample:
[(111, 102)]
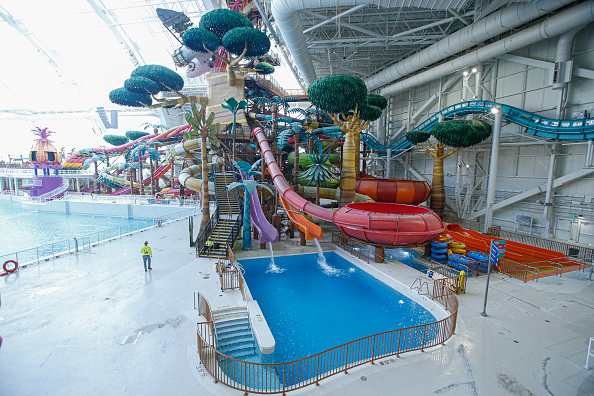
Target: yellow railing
[(283, 377)]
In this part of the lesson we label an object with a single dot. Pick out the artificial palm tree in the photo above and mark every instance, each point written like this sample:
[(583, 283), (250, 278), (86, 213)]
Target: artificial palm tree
[(318, 173), (95, 159), (234, 106), (249, 187)]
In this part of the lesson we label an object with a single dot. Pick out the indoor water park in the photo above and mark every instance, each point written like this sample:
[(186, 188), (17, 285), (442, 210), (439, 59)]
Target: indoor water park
[(331, 198)]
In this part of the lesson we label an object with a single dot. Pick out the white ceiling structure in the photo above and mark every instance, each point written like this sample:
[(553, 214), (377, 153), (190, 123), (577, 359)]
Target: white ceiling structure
[(66, 60)]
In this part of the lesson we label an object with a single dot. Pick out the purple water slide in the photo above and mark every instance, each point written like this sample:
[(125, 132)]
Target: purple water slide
[(266, 230)]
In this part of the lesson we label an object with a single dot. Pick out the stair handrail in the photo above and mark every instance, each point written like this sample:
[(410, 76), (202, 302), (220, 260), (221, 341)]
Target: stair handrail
[(206, 231)]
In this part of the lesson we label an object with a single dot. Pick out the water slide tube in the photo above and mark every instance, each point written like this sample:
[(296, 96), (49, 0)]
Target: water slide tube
[(387, 224), (161, 170), (266, 230), (188, 176), (306, 227), (411, 192), (330, 193), (532, 123), (75, 161), (515, 251)]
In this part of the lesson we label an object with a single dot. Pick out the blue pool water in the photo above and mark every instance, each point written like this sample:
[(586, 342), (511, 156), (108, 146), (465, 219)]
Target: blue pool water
[(311, 307), (21, 229)]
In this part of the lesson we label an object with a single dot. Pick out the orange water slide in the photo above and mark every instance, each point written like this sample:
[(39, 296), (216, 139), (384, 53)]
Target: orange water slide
[(515, 251), (412, 192), (309, 229)]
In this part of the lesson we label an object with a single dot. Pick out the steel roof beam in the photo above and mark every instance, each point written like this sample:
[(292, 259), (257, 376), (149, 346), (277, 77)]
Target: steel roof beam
[(347, 25), (335, 17)]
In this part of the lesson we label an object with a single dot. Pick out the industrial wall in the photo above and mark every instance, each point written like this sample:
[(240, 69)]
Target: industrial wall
[(520, 80)]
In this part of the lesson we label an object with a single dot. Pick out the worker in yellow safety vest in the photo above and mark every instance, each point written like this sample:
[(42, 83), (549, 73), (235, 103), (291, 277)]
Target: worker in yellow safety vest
[(147, 253)]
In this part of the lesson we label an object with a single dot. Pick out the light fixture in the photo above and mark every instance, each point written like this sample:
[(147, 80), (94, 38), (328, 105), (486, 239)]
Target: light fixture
[(465, 72), (474, 69), (468, 166), (495, 109)]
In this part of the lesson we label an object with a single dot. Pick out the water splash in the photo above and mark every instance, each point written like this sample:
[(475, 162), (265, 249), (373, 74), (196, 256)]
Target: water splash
[(273, 268), (326, 268)]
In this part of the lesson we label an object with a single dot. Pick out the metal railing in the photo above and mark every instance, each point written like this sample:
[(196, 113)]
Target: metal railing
[(519, 271), (31, 172), (131, 199), (582, 252), (283, 377), (48, 196), (206, 231), (74, 245), (230, 273), (351, 245)]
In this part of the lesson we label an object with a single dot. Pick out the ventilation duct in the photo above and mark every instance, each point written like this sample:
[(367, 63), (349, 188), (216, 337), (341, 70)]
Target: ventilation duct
[(560, 23), (286, 17), (495, 24)]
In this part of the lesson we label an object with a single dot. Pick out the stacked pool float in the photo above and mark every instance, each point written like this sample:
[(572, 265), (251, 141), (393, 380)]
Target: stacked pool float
[(439, 250), (482, 258)]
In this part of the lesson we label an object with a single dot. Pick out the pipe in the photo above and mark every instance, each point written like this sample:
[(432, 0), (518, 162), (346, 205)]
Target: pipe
[(493, 169), (286, 17), (510, 17), (563, 55), (560, 23)]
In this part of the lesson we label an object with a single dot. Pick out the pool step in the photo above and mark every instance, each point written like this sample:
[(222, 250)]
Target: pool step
[(234, 333)]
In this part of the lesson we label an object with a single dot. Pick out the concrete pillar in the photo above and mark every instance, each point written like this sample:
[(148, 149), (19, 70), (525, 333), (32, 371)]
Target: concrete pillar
[(493, 168), (379, 255), (590, 153)]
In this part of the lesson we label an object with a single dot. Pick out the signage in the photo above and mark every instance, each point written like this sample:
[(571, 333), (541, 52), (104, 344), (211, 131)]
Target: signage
[(497, 251)]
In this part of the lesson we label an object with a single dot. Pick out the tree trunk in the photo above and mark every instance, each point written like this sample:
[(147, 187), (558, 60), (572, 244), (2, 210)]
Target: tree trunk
[(140, 181), (204, 168), (358, 155), (347, 173), (296, 167), (437, 184), (318, 193), (152, 177), (247, 223), (96, 181), (231, 77), (171, 161)]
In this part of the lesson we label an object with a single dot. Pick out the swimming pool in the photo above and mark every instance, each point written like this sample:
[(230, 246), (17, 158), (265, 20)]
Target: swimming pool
[(311, 306), (21, 229)]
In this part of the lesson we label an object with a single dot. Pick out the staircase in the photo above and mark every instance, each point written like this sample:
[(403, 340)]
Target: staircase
[(234, 333), (228, 222), (220, 234), (228, 201)]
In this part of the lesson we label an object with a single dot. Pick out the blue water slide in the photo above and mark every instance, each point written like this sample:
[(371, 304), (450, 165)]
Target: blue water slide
[(533, 124)]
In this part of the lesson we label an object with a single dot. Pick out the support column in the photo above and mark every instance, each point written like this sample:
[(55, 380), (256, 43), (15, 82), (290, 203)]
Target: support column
[(379, 255), (590, 153), (458, 177), (388, 162), (77, 186), (493, 168), (548, 208)]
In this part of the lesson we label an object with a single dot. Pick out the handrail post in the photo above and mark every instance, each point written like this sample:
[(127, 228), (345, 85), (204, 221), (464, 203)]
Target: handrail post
[(346, 359)]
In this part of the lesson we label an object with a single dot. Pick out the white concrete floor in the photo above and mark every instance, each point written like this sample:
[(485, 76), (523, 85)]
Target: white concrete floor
[(96, 323)]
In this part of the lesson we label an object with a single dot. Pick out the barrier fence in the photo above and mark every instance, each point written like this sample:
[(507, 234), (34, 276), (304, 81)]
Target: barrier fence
[(51, 251), (353, 246), (270, 378), (230, 272)]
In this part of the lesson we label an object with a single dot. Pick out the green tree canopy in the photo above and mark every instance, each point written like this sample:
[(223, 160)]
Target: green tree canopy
[(115, 140), (122, 96), (264, 68), (337, 93), (416, 137), (220, 21), (197, 39), (141, 85), (377, 101), (165, 78), (236, 39), (133, 135), (370, 113), (461, 133)]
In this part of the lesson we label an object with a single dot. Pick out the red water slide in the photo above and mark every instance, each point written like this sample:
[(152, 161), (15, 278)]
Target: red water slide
[(515, 251), (411, 192), (387, 224)]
